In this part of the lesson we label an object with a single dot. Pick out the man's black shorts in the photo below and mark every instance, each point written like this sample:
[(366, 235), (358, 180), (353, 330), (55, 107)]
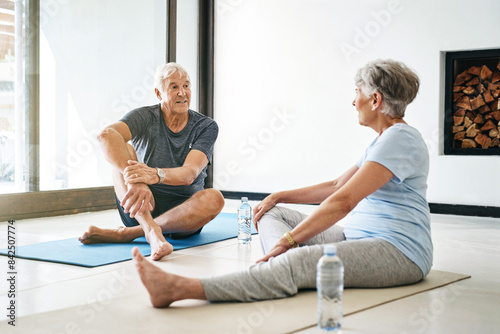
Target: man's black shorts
[(163, 203)]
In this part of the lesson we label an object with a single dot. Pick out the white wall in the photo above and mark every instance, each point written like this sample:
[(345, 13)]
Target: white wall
[(284, 87)]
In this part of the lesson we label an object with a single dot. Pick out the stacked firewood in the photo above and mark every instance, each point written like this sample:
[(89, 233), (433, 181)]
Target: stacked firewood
[(476, 106)]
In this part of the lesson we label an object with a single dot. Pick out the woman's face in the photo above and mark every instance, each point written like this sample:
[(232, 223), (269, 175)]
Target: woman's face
[(363, 105)]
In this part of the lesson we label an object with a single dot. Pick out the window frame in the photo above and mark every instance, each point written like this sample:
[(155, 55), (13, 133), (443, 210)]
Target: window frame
[(35, 203)]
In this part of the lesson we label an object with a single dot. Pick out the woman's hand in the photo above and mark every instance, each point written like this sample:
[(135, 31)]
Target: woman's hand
[(281, 247), (267, 203), (138, 172)]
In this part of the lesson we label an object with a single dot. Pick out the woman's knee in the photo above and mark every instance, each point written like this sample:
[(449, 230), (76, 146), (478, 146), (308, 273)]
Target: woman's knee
[(282, 214), (275, 212), (278, 214), (272, 215)]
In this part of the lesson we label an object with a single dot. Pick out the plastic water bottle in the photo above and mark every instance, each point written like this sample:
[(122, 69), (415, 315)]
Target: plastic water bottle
[(244, 222), (330, 285)]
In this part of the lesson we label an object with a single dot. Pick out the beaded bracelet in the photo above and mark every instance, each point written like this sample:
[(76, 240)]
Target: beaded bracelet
[(290, 240)]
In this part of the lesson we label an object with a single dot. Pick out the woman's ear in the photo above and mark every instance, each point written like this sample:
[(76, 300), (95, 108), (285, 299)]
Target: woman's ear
[(376, 100)]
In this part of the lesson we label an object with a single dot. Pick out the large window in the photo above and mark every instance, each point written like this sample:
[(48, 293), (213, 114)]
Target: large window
[(73, 67), (11, 96), (96, 61)]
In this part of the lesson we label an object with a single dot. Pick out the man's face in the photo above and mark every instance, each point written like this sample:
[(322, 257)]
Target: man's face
[(176, 94)]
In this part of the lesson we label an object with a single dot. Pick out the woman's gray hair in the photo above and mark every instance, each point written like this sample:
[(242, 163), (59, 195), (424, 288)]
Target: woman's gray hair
[(396, 82), (165, 71)]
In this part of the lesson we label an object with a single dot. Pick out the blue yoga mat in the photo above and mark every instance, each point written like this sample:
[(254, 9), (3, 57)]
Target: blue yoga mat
[(71, 251)]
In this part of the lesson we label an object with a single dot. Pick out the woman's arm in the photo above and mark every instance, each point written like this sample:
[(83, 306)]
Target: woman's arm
[(369, 178), (307, 195)]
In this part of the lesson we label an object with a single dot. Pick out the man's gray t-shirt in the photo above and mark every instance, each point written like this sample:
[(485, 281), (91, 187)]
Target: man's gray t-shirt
[(157, 146)]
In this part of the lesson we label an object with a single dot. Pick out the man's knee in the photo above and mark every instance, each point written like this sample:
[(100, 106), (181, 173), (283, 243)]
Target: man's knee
[(216, 198), (211, 199)]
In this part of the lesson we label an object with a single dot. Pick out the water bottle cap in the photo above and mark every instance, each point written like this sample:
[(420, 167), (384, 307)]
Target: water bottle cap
[(244, 199), (330, 249)]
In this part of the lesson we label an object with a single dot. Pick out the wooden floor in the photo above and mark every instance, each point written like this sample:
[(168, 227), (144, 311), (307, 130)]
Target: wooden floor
[(57, 298)]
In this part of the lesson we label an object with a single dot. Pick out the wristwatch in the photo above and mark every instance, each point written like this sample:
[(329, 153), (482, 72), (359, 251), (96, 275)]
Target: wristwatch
[(161, 174)]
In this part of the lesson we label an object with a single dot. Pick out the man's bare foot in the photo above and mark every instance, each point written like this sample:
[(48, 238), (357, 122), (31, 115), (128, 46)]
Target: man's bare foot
[(96, 235), (159, 246), (160, 250)]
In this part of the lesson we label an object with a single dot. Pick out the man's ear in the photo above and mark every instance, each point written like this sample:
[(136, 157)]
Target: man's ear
[(158, 94), (376, 100)]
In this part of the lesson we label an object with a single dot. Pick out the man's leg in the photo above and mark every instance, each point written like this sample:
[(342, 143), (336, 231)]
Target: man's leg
[(146, 228), (182, 220), (185, 218), (193, 214), (122, 233)]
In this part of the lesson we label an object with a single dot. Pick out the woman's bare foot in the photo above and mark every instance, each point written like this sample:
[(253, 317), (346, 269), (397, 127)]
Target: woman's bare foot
[(159, 246), (165, 288), (96, 235)]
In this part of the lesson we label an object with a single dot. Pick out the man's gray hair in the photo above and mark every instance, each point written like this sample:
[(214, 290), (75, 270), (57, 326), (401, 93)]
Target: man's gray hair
[(396, 82), (165, 71)]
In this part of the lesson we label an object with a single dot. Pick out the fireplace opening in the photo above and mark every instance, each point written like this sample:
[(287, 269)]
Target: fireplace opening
[(472, 103)]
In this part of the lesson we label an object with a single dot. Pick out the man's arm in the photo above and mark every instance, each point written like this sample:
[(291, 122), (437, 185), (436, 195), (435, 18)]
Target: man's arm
[(196, 160), (113, 141)]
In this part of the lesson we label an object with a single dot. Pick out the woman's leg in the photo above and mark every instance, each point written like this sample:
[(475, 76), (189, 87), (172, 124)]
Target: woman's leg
[(280, 220), (165, 288), (280, 277), (368, 263), (375, 263)]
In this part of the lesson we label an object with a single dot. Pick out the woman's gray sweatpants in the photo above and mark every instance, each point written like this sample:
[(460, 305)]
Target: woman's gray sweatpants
[(368, 263)]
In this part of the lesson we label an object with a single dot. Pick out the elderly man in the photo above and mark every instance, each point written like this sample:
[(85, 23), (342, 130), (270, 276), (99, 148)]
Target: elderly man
[(159, 176)]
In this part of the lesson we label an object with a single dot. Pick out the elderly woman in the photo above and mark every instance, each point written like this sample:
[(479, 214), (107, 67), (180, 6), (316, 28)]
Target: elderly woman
[(159, 177), (385, 242)]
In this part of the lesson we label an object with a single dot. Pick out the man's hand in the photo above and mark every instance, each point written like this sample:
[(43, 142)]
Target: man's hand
[(137, 200), (138, 172)]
